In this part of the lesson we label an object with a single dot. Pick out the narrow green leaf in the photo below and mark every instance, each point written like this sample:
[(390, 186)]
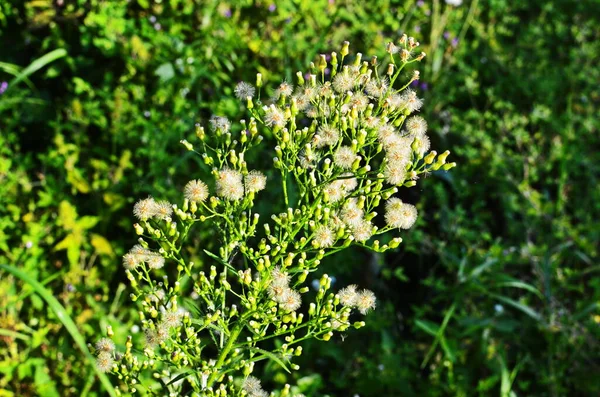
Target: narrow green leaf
[(267, 354), (66, 320), (439, 334), (37, 65), (521, 285), (524, 308), (14, 334), (181, 376)]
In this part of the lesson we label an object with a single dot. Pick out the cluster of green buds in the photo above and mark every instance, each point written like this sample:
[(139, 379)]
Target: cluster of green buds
[(346, 140)]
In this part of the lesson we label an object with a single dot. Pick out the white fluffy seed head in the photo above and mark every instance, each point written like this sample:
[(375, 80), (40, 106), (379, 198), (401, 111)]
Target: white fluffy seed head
[(252, 385), (324, 236), (164, 210), (423, 144), (105, 345), (274, 117), (351, 214), (284, 89), (335, 191), (347, 296), (145, 209), (229, 184), (220, 123), (155, 261), (104, 361), (255, 181), (292, 301), (244, 90), (343, 82), (327, 136), (362, 231), (395, 173), (416, 126), (399, 214), (196, 191), (344, 157), (365, 301)]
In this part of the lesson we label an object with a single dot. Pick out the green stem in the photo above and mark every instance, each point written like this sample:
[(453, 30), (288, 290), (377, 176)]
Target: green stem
[(223, 355)]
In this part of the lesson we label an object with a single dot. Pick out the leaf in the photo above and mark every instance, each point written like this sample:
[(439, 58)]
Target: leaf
[(37, 65), (87, 222), (524, 308), (67, 214), (267, 354), (66, 320), (66, 242), (439, 334), (221, 261), (181, 376), (102, 245), (522, 285)]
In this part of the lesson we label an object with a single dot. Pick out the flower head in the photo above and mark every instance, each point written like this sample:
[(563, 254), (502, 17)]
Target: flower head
[(274, 116), (244, 90), (230, 185), (324, 237), (416, 126), (104, 361), (343, 82), (145, 209), (255, 181), (365, 301), (348, 295), (344, 157), (362, 231), (399, 214), (327, 135), (291, 300), (105, 345), (164, 210), (195, 191), (220, 123)]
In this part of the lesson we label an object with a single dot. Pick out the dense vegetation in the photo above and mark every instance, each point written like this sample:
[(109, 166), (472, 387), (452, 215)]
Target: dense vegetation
[(493, 291)]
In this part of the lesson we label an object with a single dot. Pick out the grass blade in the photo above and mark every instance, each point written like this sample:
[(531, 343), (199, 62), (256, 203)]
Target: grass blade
[(440, 334), (66, 320), (37, 65)]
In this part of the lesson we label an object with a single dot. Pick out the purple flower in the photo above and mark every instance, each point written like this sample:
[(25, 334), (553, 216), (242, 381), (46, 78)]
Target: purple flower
[(3, 87), (272, 7), (227, 13), (424, 86), (454, 42), (446, 35), (420, 3), (327, 71), (415, 83), (152, 19)]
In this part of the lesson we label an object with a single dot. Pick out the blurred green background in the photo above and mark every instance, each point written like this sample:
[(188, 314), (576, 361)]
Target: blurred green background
[(494, 292)]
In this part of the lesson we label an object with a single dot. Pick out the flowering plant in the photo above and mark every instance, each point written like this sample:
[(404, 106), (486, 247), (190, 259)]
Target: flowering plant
[(346, 141)]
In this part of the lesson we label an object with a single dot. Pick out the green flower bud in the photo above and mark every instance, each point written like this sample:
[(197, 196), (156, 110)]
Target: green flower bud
[(345, 48), (187, 145)]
